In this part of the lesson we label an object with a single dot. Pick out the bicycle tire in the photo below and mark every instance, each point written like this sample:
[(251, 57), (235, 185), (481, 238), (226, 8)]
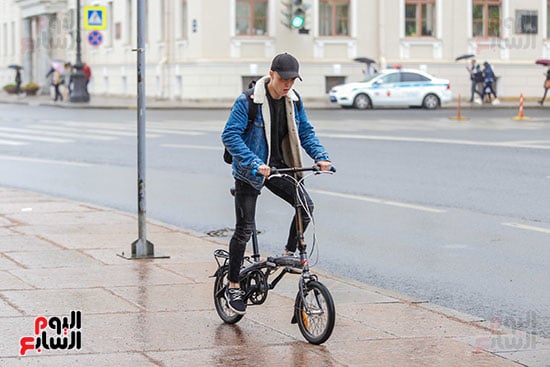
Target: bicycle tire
[(223, 310), (317, 326)]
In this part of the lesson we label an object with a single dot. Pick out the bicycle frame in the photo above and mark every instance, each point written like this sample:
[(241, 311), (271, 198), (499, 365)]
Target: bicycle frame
[(314, 310), (271, 264)]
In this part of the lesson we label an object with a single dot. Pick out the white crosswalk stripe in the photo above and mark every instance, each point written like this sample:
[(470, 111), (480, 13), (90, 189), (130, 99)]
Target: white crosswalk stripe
[(11, 142), (66, 131), (47, 131), (33, 138)]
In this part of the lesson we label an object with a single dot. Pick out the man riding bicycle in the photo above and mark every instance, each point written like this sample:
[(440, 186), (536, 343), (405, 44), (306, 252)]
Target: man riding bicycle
[(273, 139)]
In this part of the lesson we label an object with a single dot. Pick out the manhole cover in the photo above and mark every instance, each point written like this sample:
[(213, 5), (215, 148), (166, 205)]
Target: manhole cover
[(224, 232)]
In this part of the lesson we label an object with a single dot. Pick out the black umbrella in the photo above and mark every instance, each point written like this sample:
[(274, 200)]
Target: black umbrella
[(465, 57), (366, 60), (16, 67)]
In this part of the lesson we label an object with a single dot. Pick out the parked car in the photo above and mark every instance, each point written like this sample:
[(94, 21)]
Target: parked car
[(394, 87)]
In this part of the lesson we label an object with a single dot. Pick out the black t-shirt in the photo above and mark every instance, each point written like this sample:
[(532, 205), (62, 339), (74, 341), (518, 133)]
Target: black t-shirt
[(279, 130)]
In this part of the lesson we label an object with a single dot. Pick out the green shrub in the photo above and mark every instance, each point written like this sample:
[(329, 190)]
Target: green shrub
[(10, 88), (30, 86)]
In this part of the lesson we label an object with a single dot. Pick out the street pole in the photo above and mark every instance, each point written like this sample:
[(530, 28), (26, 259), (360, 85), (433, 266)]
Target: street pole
[(79, 92), (141, 248)]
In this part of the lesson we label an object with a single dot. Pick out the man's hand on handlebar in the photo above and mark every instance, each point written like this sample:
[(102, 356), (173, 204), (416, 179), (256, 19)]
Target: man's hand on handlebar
[(264, 170), (324, 165)]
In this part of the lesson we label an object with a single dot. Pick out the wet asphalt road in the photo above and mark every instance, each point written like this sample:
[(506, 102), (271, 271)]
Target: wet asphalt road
[(454, 213)]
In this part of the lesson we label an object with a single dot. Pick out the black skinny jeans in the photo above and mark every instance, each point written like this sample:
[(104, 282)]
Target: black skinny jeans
[(245, 212)]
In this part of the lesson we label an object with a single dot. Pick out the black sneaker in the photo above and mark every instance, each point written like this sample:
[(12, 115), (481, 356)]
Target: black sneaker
[(234, 297)]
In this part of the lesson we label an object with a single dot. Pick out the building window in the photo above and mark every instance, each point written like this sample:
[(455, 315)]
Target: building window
[(251, 17), (334, 17), (486, 18), (419, 18), (333, 81), (527, 22)]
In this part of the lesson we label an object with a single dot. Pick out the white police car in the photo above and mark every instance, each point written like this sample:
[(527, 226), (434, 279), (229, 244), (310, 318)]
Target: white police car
[(394, 87)]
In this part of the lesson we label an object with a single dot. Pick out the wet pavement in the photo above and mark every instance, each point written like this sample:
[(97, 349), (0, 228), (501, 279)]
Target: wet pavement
[(59, 256), (106, 101)]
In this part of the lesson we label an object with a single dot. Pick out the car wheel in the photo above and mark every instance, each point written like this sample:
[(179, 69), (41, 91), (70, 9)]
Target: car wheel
[(430, 102), (362, 102)]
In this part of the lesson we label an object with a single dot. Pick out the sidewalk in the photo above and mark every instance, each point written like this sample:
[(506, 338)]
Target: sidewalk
[(58, 256), (105, 102)]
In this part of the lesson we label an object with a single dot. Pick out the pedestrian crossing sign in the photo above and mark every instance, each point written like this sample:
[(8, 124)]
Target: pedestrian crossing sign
[(95, 17)]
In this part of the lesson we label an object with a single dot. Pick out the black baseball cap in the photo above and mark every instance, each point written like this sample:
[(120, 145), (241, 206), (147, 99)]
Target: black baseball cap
[(286, 65)]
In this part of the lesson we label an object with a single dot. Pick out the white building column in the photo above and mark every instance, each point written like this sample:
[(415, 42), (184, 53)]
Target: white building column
[(27, 50)]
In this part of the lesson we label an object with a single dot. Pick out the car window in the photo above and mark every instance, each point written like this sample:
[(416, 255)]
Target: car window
[(413, 77), (390, 78)]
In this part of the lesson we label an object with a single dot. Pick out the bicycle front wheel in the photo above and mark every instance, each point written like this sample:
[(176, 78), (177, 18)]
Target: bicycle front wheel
[(225, 313), (315, 312)]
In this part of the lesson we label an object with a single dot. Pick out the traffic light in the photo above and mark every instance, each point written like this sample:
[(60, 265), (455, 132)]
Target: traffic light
[(298, 17), (294, 15)]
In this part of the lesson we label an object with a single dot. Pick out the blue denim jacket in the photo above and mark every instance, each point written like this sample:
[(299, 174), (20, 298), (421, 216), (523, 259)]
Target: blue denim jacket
[(250, 147)]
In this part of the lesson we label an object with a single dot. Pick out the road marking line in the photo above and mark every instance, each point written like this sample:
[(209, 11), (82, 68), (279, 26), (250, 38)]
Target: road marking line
[(527, 227), (172, 131), (126, 129), (34, 138), (97, 131), (40, 160), (508, 144), (189, 146), (46, 131), (11, 142), (379, 201)]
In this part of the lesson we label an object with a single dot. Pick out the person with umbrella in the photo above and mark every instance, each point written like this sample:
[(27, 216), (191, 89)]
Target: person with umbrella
[(546, 86), (369, 69), (476, 77), (488, 79), (55, 79), (18, 81)]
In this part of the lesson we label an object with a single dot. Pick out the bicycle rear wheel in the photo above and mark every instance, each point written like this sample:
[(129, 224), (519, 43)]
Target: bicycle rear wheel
[(315, 312), (225, 313)]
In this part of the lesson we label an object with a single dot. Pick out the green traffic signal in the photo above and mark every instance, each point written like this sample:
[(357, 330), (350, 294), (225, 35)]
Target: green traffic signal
[(298, 19)]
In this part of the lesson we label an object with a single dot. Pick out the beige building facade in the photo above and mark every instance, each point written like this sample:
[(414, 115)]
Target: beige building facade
[(211, 49)]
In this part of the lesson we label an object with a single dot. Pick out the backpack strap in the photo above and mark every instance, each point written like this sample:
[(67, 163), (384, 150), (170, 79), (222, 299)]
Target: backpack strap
[(252, 107), (299, 103)]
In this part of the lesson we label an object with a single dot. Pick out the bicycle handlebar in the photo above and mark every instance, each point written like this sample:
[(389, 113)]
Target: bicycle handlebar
[(275, 171)]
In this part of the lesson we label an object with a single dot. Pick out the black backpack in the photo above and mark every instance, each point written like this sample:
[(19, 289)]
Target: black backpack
[(252, 112)]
